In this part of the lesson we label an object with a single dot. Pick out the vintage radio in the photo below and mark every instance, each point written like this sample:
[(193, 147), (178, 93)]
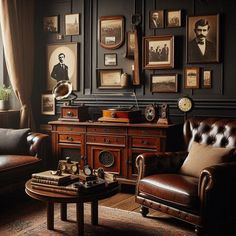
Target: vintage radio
[(74, 113)]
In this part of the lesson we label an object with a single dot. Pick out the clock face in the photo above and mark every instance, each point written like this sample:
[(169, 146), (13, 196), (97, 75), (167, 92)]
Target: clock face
[(88, 170), (150, 113), (185, 104), (74, 168)]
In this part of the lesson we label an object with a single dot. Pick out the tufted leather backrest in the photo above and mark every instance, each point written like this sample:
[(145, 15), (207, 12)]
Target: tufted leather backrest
[(217, 132)]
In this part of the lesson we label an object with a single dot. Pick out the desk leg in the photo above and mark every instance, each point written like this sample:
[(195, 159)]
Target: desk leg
[(80, 217), (63, 211), (50, 215), (94, 212)]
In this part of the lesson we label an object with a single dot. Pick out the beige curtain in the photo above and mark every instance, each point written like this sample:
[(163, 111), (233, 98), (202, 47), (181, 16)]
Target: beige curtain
[(17, 21)]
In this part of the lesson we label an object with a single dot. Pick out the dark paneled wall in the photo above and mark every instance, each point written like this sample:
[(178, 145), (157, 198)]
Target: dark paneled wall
[(220, 100)]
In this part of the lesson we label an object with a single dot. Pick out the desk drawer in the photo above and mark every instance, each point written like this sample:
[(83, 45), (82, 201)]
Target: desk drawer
[(102, 139), (70, 138), (115, 130), (71, 128), (143, 131), (145, 142)]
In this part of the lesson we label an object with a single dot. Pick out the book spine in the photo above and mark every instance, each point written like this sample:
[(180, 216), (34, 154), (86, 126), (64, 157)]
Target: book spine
[(55, 190), (45, 181), (43, 177)]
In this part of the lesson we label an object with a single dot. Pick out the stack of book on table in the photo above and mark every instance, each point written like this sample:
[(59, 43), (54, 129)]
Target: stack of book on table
[(64, 183)]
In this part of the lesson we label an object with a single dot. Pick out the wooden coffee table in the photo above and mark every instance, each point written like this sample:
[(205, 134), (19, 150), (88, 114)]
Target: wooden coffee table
[(51, 198)]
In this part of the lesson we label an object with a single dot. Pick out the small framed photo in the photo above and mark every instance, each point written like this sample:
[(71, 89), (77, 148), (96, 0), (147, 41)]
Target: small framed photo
[(51, 24), (111, 31), (173, 18), (48, 104), (203, 39), (110, 59), (72, 24), (167, 83), (109, 79), (191, 79), (131, 35), (158, 52), (207, 78), (156, 19)]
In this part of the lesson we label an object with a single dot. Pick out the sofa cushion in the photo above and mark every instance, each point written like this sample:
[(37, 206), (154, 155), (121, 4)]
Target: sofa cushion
[(13, 141), (177, 190), (201, 156)]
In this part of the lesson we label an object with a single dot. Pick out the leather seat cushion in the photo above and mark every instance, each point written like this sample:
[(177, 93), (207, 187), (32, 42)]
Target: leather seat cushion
[(14, 167), (177, 190)]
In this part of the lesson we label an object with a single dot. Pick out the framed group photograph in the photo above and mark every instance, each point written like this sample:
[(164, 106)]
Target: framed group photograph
[(203, 39), (207, 78), (48, 104), (156, 19), (51, 24), (109, 78), (110, 59), (62, 63), (191, 77), (164, 83), (158, 52), (72, 24), (111, 31), (173, 18)]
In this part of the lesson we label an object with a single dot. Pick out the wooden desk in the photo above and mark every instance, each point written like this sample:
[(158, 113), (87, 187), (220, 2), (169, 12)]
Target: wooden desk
[(51, 198)]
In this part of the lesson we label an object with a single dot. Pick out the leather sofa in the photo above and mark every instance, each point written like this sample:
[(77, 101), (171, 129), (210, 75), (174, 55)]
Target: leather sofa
[(21, 153), (197, 184)]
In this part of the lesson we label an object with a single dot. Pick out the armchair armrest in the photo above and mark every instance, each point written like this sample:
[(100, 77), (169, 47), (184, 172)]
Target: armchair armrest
[(153, 163), (38, 144)]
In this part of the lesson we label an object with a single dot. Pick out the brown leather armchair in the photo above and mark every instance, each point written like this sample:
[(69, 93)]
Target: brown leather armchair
[(207, 201)]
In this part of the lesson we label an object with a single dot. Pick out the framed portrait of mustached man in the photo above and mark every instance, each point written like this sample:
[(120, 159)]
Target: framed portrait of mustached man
[(203, 39)]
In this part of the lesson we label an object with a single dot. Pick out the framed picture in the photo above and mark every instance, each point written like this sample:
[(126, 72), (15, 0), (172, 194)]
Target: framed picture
[(173, 18), (48, 104), (207, 78), (111, 31), (167, 83), (62, 64), (156, 19), (130, 44), (203, 39), (109, 79), (51, 24), (72, 24), (110, 59), (158, 52), (191, 79)]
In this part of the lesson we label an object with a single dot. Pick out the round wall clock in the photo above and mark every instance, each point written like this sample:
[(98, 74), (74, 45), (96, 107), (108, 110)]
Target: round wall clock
[(185, 104), (88, 170), (150, 113)]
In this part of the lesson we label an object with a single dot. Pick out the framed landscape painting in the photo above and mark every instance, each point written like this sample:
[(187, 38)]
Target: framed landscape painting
[(164, 83)]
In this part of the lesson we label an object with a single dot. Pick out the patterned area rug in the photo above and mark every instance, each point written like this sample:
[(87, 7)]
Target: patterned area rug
[(29, 219)]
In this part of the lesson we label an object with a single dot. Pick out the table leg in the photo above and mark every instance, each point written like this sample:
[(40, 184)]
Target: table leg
[(80, 217), (63, 211), (94, 212), (50, 215)]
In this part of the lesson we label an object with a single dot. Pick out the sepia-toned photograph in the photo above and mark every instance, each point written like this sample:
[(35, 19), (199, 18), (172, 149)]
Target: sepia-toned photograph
[(156, 19), (164, 83), (62, 64), (130, 44), (47, 104), (173, 18), (109, 78), (207, 78), (111, 31), (110, 59), (191, 79), (51, 24), (158, 52), (203, 39), (72, 24)]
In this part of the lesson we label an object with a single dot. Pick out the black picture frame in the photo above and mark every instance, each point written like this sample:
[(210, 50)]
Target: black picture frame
[(209, 45), (164, 83), (51, 24), (156, 19)]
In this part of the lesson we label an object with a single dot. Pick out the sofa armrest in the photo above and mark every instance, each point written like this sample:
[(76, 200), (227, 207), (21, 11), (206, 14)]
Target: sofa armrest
[(153, 163), (38, 144), (216, 190)]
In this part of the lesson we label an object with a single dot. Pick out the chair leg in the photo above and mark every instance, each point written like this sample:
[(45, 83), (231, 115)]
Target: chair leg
[(144, 211)]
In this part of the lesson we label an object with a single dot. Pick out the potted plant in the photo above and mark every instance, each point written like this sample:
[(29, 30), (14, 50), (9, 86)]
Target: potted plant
[(5, 93)]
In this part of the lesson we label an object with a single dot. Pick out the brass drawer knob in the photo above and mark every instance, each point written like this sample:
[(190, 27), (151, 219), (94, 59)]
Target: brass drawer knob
[(69, 138)]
